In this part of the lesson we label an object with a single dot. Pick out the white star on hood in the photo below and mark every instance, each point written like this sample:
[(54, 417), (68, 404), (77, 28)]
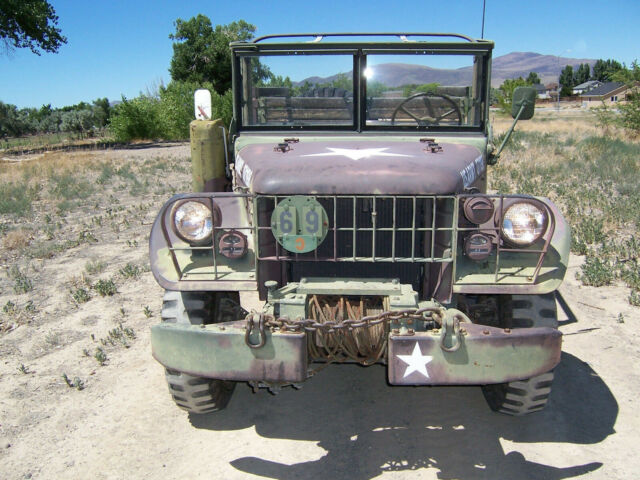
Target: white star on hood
[(416, 362), (358, 153)]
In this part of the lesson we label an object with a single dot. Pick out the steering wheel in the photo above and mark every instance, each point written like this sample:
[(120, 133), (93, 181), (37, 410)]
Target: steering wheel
[(432, 118)]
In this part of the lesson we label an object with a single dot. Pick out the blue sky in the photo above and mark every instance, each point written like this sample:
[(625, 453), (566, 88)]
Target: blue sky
[(122, 47)]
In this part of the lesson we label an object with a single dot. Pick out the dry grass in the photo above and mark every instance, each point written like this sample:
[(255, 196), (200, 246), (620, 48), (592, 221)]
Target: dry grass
[(593, 176), (17, 239), (34, 166), (574, 123), (58, 207)]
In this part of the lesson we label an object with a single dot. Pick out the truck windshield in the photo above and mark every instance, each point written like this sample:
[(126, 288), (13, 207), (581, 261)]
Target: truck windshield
[(398, 90)]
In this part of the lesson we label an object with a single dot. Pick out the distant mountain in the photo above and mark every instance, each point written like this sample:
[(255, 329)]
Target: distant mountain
[(511, 65), (519, 64)]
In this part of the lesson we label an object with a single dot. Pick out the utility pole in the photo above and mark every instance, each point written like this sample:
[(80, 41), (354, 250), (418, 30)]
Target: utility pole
[(559, 74)]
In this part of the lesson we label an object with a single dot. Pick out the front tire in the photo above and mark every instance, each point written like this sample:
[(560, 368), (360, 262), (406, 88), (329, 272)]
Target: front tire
[(522, 397), (198, 395)]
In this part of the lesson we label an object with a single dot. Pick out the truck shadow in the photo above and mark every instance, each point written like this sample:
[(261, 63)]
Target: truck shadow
[(368, 427)]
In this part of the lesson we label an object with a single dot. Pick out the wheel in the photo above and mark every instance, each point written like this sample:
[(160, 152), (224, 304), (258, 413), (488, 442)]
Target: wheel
[(198, 395), (522, 397), (433, 119)]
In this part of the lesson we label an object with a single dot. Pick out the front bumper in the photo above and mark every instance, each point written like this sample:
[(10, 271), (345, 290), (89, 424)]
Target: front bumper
[(220, 351), (485, 355), (482, 355)]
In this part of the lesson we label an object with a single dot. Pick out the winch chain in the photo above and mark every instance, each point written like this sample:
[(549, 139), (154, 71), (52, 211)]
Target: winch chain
[(285, 324)]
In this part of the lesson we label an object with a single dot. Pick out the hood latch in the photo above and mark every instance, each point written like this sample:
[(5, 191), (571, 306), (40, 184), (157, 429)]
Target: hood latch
[(286, 145), (432, 146)]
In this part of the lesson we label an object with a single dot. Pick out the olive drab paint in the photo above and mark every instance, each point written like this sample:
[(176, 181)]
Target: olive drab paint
[(369, 236), (208, 161)]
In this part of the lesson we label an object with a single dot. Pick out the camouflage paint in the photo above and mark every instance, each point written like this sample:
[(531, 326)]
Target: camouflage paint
[(219, 351), (486, 355)]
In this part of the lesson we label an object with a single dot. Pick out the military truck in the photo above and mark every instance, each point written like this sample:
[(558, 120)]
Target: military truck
[(354, 202)]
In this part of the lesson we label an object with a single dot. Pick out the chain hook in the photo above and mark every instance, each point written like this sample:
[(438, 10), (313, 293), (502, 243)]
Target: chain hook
[(251, 324), (450, 328)]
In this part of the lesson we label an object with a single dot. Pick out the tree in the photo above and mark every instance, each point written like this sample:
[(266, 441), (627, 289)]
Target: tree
[(30, 24), (628, 75), (166, 114), (533, 79), (630, 109), (582, 74), (77, 121), (603, 70), (101, 112), (505, 95), (201, 53), (566, 81)]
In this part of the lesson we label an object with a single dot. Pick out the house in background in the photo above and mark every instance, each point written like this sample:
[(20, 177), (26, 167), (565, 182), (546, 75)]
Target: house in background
[(542, 91), (585, 87), (551, 92), (609, 94)]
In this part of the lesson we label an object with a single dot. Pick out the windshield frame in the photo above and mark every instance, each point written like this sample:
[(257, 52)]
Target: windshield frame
[(481, 49)]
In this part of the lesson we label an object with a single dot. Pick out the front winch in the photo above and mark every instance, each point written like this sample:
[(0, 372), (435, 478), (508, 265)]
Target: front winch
[(352, 325)]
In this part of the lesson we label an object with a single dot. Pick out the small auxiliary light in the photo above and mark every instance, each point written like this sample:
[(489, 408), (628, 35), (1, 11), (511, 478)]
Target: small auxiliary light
[(478, 247), (232, 244)]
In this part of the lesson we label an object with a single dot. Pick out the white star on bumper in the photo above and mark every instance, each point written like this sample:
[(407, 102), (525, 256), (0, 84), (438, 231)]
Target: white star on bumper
[(357, 154), (416, 362)]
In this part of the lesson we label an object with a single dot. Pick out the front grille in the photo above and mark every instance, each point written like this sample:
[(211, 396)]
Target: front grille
[(417, 239), (370, 229)]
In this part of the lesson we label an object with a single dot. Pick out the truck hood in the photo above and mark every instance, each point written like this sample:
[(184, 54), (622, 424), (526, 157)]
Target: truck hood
[(359, 168)]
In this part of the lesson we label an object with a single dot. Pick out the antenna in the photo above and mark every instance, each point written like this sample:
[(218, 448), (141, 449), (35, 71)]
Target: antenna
[(484, 7)]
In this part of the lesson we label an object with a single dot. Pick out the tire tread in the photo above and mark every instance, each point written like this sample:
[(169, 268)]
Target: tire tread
[(521, 397)]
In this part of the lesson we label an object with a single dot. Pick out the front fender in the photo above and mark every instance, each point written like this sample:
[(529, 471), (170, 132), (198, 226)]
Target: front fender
[(516, 272), (176, 265)]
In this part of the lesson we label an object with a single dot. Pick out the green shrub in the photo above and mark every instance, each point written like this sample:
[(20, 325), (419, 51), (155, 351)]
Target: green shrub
[(15, 199), (68, 187), (634, 298), (21, 283), (106, 288), (100, 356), (596, 272), (106, 172), (76, 383), (10, 308), (80, 295), (131, 271), (176, 108), (138, 118), (630, 112), (168, 115)]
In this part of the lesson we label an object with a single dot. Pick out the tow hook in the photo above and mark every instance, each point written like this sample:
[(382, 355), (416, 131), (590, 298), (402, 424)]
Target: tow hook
[(252, 324), (451, 336)]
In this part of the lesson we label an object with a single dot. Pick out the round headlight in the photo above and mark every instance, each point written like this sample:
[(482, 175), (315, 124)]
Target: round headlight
[(523, 223), (193, 222)]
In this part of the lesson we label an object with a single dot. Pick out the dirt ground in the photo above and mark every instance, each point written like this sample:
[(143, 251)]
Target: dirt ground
[(117, 420)]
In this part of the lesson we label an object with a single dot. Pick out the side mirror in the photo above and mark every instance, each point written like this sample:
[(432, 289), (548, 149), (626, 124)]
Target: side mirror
[(202, 102), (523, 96), (522, 107)]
